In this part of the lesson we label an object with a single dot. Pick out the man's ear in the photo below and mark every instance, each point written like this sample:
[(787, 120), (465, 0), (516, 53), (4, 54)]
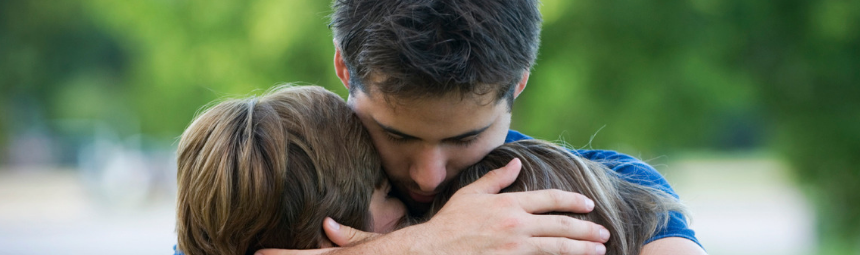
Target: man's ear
[(340, 66), (522, 85)]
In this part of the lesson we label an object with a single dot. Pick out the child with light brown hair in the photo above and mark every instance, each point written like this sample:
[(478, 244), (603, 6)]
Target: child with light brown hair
[(264, 172), (631, 212)]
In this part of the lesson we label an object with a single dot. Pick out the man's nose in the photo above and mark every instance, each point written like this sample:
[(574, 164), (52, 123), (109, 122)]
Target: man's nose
[(428, 170)]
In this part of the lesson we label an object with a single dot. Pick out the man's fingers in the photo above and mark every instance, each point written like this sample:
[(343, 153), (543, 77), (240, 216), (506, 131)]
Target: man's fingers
[(552, 200), (344, 235), (557, 245), (338, 234), (496, 180), (566, 227)]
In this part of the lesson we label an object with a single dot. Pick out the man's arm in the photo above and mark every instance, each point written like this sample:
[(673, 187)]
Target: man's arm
[(477, 220)]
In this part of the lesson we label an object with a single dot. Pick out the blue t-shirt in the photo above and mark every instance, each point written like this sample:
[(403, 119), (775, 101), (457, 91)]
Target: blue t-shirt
[(635, 171)]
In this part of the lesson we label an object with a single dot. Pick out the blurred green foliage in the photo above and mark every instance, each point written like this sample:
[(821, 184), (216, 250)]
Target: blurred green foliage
[(654, 77), (151, 64)]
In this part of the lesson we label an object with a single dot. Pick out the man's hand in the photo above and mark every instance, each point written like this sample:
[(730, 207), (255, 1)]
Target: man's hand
[(478, 220), (339, 235), (344, 235)]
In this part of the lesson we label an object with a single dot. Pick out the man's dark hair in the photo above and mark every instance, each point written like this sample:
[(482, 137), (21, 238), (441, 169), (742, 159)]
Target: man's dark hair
[(426, 48)]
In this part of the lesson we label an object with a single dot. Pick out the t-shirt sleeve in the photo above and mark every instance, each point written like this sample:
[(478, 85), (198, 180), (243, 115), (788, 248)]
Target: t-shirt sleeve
[(636, 171)]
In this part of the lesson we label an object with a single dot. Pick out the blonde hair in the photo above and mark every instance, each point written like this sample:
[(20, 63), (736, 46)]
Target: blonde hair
[(631, 212), (263, 172)]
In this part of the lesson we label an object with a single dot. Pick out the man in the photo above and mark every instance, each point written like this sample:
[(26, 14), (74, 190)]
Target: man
[(434, 82)]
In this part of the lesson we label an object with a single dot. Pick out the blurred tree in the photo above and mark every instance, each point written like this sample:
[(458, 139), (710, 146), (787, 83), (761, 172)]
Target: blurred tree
[(147, 66), (658, 75), (187, 53), (668, 75), (806, 56), (49, 49)]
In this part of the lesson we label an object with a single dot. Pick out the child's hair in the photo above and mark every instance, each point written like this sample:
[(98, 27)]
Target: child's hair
[(263, 172), (630, 212)]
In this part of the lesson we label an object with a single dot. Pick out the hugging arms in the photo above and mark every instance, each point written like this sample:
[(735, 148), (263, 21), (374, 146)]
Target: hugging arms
[(263, 172)]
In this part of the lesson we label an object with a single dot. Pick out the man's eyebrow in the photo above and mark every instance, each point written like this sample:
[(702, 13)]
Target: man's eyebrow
[(395, 131), (453, 138), (467, 134)]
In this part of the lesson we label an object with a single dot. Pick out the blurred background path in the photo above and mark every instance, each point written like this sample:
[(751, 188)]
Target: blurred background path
[(745, 206), (51, 211)]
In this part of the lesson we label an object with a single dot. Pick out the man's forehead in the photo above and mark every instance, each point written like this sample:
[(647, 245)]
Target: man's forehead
[(456, 97), (398, 91), (428, 118)]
